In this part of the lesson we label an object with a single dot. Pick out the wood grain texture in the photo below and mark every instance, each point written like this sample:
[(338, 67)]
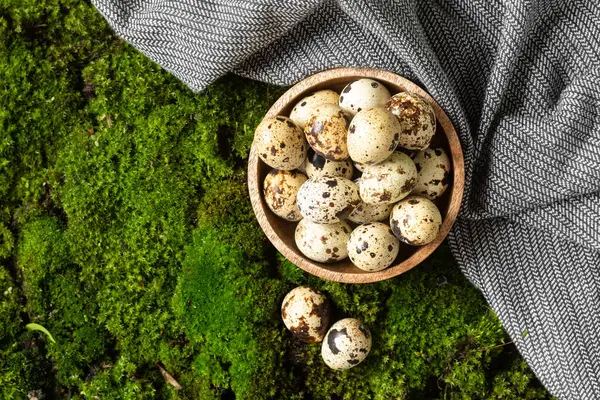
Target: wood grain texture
[(281, 232)]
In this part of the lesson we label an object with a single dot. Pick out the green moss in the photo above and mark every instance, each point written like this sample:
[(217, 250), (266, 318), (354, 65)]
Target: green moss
[(118, 381), (23, 367), (230, 314), (228, 302), (427, 343), (516, 383), (126, 230), (58, 300)]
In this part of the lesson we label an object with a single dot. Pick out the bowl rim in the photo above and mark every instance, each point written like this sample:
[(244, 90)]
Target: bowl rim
[(310, 84)]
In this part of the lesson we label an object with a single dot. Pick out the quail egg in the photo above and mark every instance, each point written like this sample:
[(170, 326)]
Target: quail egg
[(416, 220), (325, 243), (417, 120), (433, 167), (365, 212), (317, 165), (280, 143), (327, 132), (359, 166), (302, 168), (410, 153), (388, 181), (346, 344), (305, 313), (373, 247), (327, 199), (281, 189), (373, 135), (304, 109), (363, 93)]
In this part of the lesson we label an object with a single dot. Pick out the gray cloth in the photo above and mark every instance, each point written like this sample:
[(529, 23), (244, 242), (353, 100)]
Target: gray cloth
[(520, 81)]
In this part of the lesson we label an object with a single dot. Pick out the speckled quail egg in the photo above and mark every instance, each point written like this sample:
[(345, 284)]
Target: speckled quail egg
[(433, 167), (302, 168), (305, 312), (280, 143), (317, 165), (281, 189), (373, 247), (346, 344), (327, 132), (359, 166), (363, 93), (389, 181), (410, 153), (325, 243), (417, 119), (365, 212), (327, 199), (304, 109), (373, 135), (416, 220)]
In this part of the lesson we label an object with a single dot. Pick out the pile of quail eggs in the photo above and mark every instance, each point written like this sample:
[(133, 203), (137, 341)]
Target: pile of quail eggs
[(306, 313), (357, 171)]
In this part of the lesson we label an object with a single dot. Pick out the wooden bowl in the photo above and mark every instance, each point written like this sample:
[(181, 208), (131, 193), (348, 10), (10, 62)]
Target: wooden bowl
[(281, 232)]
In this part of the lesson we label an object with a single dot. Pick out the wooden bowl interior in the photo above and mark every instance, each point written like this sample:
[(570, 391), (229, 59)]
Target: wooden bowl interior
[(281, 232)]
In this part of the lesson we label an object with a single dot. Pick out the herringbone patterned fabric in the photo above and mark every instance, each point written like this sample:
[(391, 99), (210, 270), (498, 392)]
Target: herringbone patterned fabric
[(521, 82)]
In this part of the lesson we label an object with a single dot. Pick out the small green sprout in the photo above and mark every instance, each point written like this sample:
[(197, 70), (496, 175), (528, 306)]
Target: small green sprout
[(38, 327)]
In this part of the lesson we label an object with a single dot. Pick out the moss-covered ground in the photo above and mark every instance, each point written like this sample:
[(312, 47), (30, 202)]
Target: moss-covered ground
[(126, 231)]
